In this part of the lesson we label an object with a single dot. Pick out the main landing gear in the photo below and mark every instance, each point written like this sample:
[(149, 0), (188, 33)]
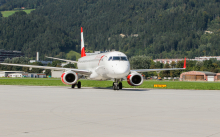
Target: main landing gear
[(78, 84), (117, 84)]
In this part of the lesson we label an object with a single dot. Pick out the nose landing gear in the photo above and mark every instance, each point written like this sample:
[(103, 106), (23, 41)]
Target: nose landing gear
[(117, 84), (120, 85)]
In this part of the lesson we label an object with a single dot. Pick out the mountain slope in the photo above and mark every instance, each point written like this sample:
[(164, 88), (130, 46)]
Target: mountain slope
[(165, 28)]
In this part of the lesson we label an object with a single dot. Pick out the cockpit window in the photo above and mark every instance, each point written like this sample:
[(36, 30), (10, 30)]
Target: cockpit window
[(124, 59), (110, 58), (118, 58)]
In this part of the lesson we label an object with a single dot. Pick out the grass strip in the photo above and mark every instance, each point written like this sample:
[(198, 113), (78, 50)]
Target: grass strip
[(105, 84), (11, 12)]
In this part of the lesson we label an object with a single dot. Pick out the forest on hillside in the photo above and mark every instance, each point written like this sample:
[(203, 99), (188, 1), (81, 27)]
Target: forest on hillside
[(165, 28)]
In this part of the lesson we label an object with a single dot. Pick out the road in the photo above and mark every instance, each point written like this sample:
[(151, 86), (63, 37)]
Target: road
[(36, 111)]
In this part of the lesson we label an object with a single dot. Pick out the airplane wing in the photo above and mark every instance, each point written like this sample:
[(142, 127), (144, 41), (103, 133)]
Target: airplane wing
[(148, 70), (62, 59), (162, 69), (80, 71)]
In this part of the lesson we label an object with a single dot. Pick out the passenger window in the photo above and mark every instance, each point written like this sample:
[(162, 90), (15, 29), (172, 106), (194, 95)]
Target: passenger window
[(110, 58)]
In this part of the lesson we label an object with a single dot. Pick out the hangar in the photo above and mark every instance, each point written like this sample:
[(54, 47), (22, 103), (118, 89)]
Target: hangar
[(199, 76)]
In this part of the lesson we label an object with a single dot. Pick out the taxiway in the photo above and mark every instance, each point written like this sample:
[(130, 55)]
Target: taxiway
[(89, 112)]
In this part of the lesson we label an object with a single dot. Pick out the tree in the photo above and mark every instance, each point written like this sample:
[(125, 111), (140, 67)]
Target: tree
[(16, 60), (56, 63), (36, 70), (199, 65), (69, 66), (173, 64), (140, 62), (165, 73), (20, 13)]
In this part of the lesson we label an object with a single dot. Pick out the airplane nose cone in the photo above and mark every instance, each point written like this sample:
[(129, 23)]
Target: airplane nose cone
[(121, 72), (119, 69)]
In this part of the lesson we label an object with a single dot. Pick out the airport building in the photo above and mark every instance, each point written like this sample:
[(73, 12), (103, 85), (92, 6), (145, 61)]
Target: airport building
[(9, 54), (199, 76), (169, 61), (37, 60), (21, 74), (6, 73), (203, 58), (34, 75), (56, 73)]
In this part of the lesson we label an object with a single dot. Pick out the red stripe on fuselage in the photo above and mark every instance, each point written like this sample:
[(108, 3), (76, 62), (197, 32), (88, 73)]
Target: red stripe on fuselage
[(100, 59)]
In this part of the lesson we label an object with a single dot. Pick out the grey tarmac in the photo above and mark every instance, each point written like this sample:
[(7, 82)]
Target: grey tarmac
[(36, 111)]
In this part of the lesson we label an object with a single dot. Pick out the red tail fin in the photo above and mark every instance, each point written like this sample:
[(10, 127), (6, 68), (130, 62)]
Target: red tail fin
[(184, 66), (83, 53)]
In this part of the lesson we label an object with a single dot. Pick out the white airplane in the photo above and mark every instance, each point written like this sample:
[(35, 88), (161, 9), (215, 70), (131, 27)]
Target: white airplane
[(104, 66)]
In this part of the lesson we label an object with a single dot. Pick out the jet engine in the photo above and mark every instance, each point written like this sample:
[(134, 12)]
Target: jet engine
[(135, 79), (69, 78)]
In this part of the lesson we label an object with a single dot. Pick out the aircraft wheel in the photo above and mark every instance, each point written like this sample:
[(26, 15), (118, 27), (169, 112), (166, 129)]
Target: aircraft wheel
[(115, 86), (120, 85), (79, 84), (73, 86)]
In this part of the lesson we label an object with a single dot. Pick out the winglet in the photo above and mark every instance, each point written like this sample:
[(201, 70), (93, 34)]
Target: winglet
[(184, 66), (83, 53)]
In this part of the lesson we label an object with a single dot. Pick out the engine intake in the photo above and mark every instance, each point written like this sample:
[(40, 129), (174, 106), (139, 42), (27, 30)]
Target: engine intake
[(135, 79), (69, 78)]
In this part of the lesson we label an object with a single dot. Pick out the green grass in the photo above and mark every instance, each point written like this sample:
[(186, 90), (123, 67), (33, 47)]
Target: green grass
[(11, 12), (72, 53), (105, 84)]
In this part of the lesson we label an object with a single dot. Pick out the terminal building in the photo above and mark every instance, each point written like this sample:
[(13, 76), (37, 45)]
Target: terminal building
[(9, 54)]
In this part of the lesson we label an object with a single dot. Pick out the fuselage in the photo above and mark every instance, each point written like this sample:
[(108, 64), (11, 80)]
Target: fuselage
[(110, 65)]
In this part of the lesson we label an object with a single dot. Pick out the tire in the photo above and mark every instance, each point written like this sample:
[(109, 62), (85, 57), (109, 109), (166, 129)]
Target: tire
[(120, 85), (115, 86), (73, 86), (79, 84)]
